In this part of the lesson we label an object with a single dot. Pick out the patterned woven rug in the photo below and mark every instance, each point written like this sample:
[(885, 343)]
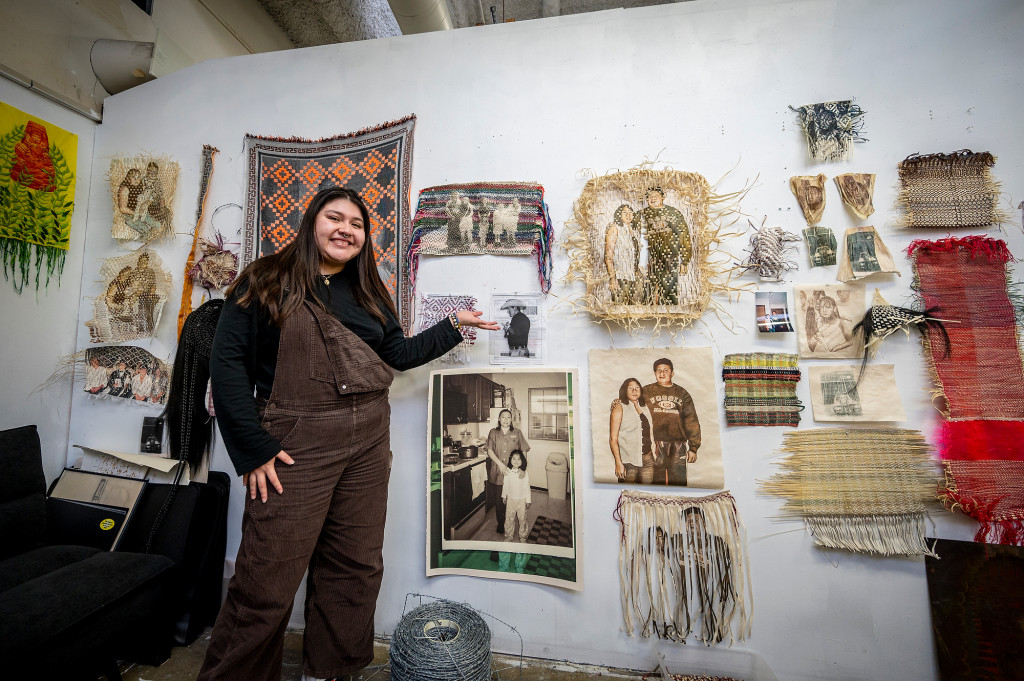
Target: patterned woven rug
[(980, 381), (285, 174), (433, 307), (550, 532), (760, 389), (860, 490), (950, 191)]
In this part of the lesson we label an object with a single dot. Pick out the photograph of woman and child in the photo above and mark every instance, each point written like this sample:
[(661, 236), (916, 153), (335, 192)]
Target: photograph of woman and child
[(825, 319)]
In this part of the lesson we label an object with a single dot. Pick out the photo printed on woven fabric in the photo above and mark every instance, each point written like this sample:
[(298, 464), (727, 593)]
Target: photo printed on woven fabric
[(135, 287), (821, 246), (863, 254), (521, 339), (655, 417), (856, 190), (142, 189), (772, 312), (809, 191), (841, 393), (126, 372), (502, 477), (825, 317)]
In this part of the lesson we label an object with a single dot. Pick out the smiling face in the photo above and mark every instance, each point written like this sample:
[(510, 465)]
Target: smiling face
[(655, 199), (340, 234), (663, 374)]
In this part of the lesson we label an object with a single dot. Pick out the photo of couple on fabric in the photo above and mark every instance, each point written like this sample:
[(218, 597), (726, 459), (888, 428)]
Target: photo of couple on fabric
[(301, 368)]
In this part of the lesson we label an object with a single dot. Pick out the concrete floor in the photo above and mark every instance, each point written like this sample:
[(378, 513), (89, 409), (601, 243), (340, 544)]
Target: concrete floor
[(185, 662)]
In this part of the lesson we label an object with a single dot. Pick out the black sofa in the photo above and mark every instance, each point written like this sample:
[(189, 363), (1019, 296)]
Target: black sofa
[(70, 612)]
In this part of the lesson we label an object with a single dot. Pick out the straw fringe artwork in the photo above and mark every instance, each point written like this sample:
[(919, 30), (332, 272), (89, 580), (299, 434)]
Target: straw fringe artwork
[(142, 189), (863, 254), (860, 490), (285, 174), (135, 288), (809, 191), (647, 244), (760, 389), (831, 128), (684, 568), (434, 307), (769, 252), (857, 190), (37, 196), (976, 365), (949, 191)]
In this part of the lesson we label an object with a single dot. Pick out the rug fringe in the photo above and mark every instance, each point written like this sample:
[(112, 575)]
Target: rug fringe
[(886, 535)]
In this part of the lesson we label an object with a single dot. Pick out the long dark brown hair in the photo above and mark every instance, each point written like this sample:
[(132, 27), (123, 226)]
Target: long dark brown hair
[(282, 281)]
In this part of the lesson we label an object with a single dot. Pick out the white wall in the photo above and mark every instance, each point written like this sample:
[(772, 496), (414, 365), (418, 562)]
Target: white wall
[(702, 85), (39, 328)]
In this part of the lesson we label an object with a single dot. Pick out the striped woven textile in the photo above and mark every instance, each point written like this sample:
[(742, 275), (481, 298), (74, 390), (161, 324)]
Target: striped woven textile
[(760, 389)]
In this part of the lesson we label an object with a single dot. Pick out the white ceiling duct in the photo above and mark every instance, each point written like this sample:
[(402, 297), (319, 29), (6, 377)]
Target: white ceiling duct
[(121, 64), (421, 16)]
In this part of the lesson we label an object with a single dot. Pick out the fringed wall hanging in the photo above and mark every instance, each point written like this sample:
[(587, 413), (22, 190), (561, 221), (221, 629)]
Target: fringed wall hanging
[(135, 286), (863, 254), (857, 190), (285, 173), (860, 490), (769, 252), (124, 371), (142, 189), (483, 218), (949, 191), (852, 393), (672, 216), (654, 417), (821, 246), (433, 307), (37, 196), (831, 128), (760, 389), (976, 602), (809, 191), (979, 379), (206, 171), (825, 317), (684, 567)]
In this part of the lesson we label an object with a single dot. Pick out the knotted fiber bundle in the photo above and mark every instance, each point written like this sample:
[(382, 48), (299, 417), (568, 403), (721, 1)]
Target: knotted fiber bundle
[(858, 490), (683, 567)]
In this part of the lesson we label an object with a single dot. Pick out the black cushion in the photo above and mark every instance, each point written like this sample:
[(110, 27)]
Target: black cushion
[(32, 564), (22, 491)]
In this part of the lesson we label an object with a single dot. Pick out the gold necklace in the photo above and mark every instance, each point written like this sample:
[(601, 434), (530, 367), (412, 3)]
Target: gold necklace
[(327, 279)]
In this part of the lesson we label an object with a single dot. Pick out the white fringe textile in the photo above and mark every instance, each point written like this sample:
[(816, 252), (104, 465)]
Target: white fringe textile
[(684, 567)]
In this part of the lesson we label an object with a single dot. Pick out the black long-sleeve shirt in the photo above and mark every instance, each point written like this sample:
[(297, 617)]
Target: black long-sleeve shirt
[(237, 355)]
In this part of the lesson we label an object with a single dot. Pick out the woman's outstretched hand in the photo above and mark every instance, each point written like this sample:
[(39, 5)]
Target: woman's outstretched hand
[(256, 480), (472, 318)]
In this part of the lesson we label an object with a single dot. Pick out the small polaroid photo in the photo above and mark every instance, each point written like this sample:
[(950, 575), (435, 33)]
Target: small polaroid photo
[(772, 312), (152, 438), (521, 338)]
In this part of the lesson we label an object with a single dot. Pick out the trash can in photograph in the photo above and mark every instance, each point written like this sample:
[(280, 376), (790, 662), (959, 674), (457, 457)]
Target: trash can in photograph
[(558, 475)]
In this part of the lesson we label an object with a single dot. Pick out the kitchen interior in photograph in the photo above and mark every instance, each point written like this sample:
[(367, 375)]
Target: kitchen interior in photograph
[(471, 405)]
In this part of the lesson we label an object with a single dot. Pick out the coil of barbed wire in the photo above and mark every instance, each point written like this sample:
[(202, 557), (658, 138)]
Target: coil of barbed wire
[(441, 641)]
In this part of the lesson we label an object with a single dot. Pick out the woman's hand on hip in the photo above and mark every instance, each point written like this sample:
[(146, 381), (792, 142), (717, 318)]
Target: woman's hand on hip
[(256, 480), (472, 318)]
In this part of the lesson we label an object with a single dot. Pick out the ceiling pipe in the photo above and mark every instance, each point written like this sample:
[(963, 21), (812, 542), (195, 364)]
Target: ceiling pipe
[(121, 64), (421, 16)]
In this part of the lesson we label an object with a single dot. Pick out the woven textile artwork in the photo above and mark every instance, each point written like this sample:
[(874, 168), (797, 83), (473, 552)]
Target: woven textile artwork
[(852, 393), (37, 195), (949, 191), (433, 307), (493, 218), (825, 317), (821, 246), (191, 273), (863, 254), (809, 191), (760, 389), (135, 288), (648, 421), (831, 128), (857, 190), (769, 252), (979, 379), (671, 216), (126, 372), (684, 567), (976, 601), (860, 490), (142, 189), (286, 173)]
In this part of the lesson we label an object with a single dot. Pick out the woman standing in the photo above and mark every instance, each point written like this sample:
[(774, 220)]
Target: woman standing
[(500, 442), (622, 257), (630, 435), (314, 332)]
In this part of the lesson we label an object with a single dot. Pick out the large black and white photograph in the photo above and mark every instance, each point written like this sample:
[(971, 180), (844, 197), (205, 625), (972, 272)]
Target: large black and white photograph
[(502, 460), (521, 338)]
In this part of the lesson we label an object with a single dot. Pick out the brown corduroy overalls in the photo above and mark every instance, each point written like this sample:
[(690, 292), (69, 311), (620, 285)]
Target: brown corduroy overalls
[(329, 410)]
